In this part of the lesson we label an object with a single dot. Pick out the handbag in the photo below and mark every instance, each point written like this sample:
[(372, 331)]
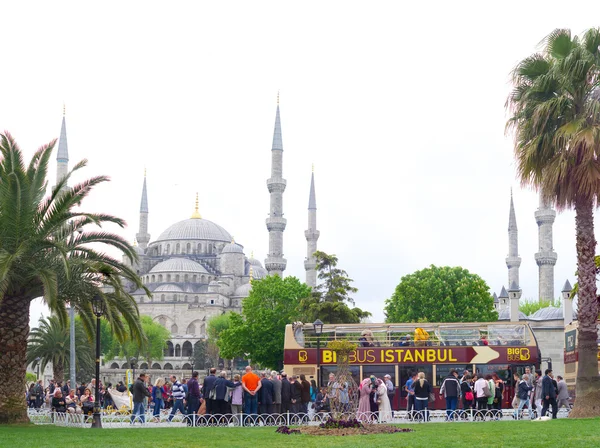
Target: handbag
[(469, 396), (212, 395)]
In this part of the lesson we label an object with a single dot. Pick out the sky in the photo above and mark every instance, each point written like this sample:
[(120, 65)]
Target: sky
[(400, 106)]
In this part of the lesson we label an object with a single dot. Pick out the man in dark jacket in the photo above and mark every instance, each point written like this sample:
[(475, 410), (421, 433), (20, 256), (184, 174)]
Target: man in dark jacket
[(548, 394), (139, 391), (451, 390), (276, 393), (265, 395), (193, 403), (305, 393), (221, 385), (286, 393), (207, 387), (296, 395)]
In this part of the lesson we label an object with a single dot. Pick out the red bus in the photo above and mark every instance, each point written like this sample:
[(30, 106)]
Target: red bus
[(399, 349)]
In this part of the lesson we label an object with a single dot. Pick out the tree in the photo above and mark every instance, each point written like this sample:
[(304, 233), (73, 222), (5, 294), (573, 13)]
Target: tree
[(555, 116), (441, 294), (259, 330), (529, 307), (150, 349), (50, 342), (329, 298), (50, 248)]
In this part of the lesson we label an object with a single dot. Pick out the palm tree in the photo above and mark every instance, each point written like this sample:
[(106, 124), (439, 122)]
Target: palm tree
[(51, 249), (50, 343), (555, 115)]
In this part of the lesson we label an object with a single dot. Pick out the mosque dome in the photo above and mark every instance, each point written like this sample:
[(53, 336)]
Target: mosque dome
[(258, 272), (548, 313), (232, 248), (195, 229), (254, 262), (179, 265), (168, 288), (243, 291), (505, 315)]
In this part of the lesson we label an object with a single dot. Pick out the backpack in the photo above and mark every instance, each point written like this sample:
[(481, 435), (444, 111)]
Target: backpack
[(486, 390)]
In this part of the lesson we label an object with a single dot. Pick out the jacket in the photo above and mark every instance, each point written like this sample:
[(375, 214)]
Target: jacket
[(296, 391), (286, 391), (209, 384), (266, 392), (563, 392), (157, 392), (193, 388), (523, 390), (276, 390), (305, 391), (139, 391), (177, 391), (422, 392), (548, 389), (220, 385), (450, 387)]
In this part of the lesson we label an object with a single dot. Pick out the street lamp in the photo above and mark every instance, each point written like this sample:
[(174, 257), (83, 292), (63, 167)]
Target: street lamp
[(98, 306), (37, 362), (132, 363), (318, 326)]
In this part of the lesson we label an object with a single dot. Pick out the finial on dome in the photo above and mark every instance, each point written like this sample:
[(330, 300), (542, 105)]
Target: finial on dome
[(251, 275), (144, 171), (64, 109), (232, 240), (278, 97), (313, 167), (134, 242), (196, 214), (252, 254)]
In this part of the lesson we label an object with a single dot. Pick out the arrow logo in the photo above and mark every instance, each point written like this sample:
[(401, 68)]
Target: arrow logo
[(484, 355)]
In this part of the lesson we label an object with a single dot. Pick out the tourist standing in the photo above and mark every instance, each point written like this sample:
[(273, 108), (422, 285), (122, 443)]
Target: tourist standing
[(139, 392), (177, 395), (563, 393), (422, 390), (207, 387), (364, 406), (390, 389), (276, 393), (286, 394), (482, 390), (157, 398), (193, 403), (523, 391), (467, 392), (296, 388), (266, 395), (221, 385), (305, 394), (451, 390), (549, 394), (410, 392), (251, 385), (236, 398)]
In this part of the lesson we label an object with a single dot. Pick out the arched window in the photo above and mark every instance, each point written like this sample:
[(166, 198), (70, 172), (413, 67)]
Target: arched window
[(174, 297), (186, 278), (191, 329), (174, 329), (168, 249), (144, 366), (202, 330), (199, 248), (169, 351), (141, 299), (177, 351), (159, 278), (168, 366), (188, 248), (162, 297), (125, 366), (195, 278), (153, 278), (156, 366), (210, 248), (177, 278), (162, 321), (158, 250), (203, 279), (114, 365), (186, 349), (195, 299), (168, 277), (186, 366), (177, 249)]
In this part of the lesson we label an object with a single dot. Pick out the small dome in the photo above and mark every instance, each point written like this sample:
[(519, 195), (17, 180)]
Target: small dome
[(243, 291), (548, 313), (505, 315), (179, 265), (232, 248), (254, 262), (195, 229), (168, 288), (258, 272)]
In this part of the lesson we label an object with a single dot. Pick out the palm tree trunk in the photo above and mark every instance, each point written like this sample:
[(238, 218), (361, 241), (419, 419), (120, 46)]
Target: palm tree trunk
[(58, 371), (14, 331), (588, 381)]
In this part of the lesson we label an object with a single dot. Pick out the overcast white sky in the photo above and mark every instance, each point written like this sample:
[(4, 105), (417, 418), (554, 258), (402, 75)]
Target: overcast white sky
[(400, 107)]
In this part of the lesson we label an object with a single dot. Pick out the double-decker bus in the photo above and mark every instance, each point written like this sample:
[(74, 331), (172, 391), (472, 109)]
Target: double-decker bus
[(399, 349), (571, 357)]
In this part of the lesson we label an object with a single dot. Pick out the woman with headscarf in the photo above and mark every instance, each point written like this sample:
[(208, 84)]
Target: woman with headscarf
[(364, 406), (385, 409), (374, 398)]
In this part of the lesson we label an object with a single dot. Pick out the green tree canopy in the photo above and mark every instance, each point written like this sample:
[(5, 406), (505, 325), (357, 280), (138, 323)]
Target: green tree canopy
[(555, 115), (150, 349), (529, 307), (51, 248), (441, 294), (329, 300), (258, 332)]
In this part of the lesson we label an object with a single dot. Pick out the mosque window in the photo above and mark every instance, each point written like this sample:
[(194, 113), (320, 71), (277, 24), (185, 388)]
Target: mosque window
[(186, 278), (199, 248), (196, 299), (162, 321), (168, 277), (162, 297), (175, 297), (177, 351), (186, 349), (168, 249), (160, 278), (174, 330), (177, 249), (203, 279), (212, 301), (158, 249), (191, 329), (153, 279), (177, 277), (195, 278), (188, 248), (169, 351)]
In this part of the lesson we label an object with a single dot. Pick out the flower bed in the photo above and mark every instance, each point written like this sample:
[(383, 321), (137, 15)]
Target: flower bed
[(349, 427)]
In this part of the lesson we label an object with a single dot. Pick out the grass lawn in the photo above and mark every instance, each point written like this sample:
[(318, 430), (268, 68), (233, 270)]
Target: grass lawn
[(557, 433)]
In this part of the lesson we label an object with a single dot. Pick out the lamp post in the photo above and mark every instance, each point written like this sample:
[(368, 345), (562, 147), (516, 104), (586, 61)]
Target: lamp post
[(132, 362), (37, 362), (318, 326), (98, 306)]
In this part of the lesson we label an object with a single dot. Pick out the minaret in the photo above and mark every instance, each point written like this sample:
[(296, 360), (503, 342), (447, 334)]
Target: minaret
[(62, 157), (275, 263), (312, 235), (545, 257), (513, 261), (143, 237)]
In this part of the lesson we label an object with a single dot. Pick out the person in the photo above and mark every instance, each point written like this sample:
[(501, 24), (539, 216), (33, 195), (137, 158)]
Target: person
[(422, 390), (548, 394), (276, 392), (139, 391), (450, 389), (31, 396), (51, 387), (71, 401), (121, 387), (484, 340), (178, 395), (265, 395), (373, 400), (498, 395), (157, 398), (207, 387), (492, 391), (221, 385), (286, 394), (563, 393), (482, 390), (66, 388), (410, 392), (343, 394), (322, 401), (367, 340), (523, 391), (58, 402), (466, 392), (81, 389), (251, 385), (305, 398), (87, 402), (391, 391), (385, 409), (314, 390), (39, 394), (193, 402), (296, 389), (364, 406), (108, 401), (236, 398)]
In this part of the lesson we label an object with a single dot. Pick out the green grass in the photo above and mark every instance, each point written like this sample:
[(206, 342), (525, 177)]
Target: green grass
[(558, 433)]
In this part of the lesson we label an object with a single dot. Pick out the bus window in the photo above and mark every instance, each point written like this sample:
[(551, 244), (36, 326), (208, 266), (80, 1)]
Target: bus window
[(378, 371), (443, 370), (502, 370), (405, 372), (326, 370)]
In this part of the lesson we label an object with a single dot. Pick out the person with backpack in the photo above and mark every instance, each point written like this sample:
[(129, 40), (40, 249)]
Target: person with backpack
[(451, 391)]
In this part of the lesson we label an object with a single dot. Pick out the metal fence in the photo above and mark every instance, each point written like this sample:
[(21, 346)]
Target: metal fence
[(44, 417)]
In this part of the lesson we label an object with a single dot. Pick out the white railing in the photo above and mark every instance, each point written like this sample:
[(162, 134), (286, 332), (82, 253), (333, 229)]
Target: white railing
[(45, 417)]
